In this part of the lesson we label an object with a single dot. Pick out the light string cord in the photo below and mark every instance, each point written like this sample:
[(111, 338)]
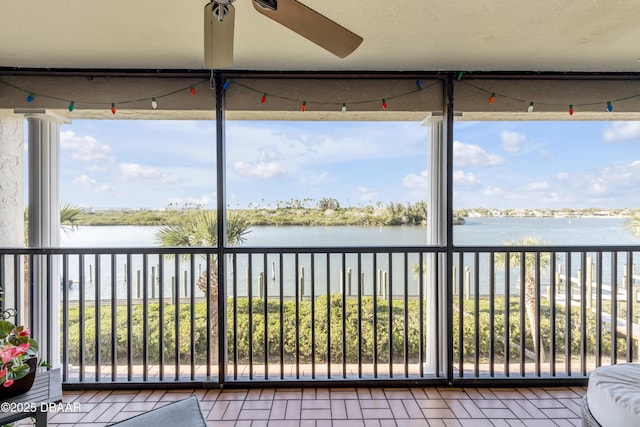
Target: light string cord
[(548, 104)]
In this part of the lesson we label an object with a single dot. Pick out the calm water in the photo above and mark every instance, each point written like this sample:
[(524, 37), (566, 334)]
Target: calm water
[(477, 231)]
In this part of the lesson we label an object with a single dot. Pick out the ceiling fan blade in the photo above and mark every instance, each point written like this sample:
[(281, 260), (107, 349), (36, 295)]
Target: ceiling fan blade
[(218, 36), (313, 26)]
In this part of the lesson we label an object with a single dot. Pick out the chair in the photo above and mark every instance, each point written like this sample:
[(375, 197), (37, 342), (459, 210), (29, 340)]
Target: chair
[(613, 397), (181, 413)]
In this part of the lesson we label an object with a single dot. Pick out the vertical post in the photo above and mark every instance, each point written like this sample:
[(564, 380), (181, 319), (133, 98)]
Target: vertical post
[(349, 281), (44, 229), (579, 279), (219, 324), (589, 282), (185, 284), (453, 278), (385, 284), (247, 281), (138, 282), (261, 284), (437, 235), (636, 288), (444, 297), (301, 283), (153, 281), (467, 283)]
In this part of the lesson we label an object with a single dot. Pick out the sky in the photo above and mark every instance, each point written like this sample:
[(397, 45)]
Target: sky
[(506, 165)]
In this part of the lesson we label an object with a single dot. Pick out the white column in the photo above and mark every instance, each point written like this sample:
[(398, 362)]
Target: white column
[(437, 224), (44, 180), (44, 229), (436, 236), (11, 204)]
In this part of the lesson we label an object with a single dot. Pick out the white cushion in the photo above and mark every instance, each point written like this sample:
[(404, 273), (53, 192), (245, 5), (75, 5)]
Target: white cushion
[(613, 395), (181, 413)]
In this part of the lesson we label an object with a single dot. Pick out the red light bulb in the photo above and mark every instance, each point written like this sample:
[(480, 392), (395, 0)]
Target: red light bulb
[(303, 107), (113, 108), (571, 110), (264, 98), (384, 104), (492, 98), (192, 90)]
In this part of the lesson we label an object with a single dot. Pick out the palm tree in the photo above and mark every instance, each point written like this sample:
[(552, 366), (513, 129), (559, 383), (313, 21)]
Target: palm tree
[(68, 216), (529, 265), (201, 230)]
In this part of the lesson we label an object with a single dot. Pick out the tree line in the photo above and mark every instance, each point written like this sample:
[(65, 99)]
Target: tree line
[(326, 211)]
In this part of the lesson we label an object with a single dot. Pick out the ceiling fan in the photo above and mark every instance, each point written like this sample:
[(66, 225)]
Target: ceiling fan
[(219, 17)]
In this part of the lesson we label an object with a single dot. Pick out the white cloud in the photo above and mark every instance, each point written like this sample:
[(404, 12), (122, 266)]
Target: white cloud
[(83, 148), (546, 153), (608, 186), (598, 187), (512, 142), (492, 191), (418, 182), (311, 180), (268, 164), (621, 180), (538, 186), (463, 178), (366, 194), (268, 154), (299, 145), (134, 171), (473, 155), (620, 131), (204, 200), (84, 180), (97, 168), (91, 184), (259, 170)]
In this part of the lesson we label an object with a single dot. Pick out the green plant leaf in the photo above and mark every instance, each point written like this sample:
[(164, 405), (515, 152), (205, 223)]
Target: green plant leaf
[(6, 328)]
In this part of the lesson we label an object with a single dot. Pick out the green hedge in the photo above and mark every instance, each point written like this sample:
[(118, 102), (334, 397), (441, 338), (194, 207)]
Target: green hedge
[(303, 335), (515, 329), (322, 324)]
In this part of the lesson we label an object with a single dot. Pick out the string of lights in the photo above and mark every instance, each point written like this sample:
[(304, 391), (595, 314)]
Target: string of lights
[(607, 104), (306, 104), (32, 96), (342, 105)]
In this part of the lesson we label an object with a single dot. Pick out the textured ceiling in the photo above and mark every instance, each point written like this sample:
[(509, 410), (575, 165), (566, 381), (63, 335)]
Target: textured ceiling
[(488, 35)]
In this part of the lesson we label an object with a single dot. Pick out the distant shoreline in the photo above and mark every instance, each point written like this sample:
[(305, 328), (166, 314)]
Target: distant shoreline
[(393, 215)]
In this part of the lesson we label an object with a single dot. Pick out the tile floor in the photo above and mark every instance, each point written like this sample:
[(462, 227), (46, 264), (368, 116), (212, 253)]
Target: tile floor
[(336, 407)]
